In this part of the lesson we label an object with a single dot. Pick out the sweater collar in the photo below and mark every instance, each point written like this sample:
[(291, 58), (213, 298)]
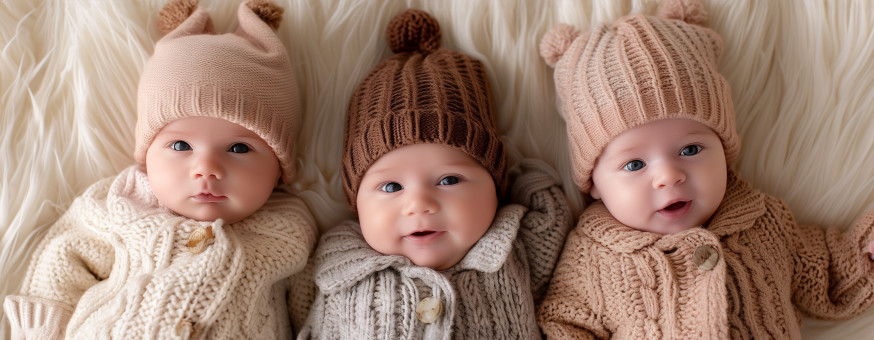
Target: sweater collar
[(344, 258), (130, 197), (739, 209)]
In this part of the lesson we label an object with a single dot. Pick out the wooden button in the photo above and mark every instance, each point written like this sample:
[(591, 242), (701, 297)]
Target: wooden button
[(183, 329), (705, 257), (428, 310), (197, 240)]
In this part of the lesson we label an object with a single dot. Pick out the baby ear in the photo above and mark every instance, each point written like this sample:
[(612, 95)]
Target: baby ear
[(556, 42), (690, 11)]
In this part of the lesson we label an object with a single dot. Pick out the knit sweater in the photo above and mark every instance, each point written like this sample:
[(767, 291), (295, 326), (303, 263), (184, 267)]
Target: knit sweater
[(119, 265), (750, 273), (489, 294)]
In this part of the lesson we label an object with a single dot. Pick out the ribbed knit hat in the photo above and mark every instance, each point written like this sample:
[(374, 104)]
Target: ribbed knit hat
[(639, 70), (244, 77), (422, 94)]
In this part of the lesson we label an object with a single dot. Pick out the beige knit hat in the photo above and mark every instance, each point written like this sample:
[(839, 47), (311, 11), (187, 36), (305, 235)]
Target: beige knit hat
[(244, 77), (639, 70), (422, 94)]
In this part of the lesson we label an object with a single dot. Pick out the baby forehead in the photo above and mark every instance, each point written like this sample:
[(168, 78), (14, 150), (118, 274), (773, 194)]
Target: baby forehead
[(660, 131)]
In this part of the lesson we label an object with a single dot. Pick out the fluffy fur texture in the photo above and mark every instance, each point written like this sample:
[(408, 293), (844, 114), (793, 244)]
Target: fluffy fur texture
[(802, 80)]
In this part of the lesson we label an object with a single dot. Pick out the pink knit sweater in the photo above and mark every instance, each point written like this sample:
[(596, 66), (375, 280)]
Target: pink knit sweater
[(751, 273)]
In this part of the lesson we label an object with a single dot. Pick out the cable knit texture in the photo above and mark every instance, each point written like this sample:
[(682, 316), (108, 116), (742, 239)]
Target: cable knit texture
[(638, 70), (613, 281), (244, 77), (490, 294), (422, 94), (120, 262)]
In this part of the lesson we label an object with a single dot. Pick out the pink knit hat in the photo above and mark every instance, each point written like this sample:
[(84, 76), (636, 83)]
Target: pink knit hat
[(639, 70), (244, 77)]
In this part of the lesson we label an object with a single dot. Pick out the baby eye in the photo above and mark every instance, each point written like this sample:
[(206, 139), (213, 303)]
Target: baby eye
[(392, 187), (449, 180), (180, 146), (239, 148), (634, 165), (690, 150)]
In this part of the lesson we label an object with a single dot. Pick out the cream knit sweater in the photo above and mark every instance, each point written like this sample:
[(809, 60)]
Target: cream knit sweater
[(750, 274), (489, 294), (117, 265)]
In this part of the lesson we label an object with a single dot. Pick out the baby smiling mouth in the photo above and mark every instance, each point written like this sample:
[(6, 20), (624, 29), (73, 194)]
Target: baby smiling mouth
[(422, 233)]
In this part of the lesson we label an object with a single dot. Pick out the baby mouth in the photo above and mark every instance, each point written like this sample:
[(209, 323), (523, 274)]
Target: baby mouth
[(424, 236), (676, 206), (208, 198), (676, 210)]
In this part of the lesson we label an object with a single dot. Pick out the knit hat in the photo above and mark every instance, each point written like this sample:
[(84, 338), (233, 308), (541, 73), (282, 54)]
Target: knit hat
[(244, 77), (639, 70), (422, 94)]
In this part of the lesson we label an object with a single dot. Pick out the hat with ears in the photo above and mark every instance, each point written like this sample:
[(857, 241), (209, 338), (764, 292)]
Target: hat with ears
[(244, 77), (638, 70), (422, 94)]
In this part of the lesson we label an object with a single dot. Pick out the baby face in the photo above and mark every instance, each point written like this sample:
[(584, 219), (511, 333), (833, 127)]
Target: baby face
[(208, 168), (427, 202), (662, 177)]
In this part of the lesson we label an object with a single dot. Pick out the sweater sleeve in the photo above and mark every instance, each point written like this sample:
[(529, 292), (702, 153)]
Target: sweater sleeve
[(543, 228), (72, 258), (294, 240), (301, 295), (834, 277), (570, 307)]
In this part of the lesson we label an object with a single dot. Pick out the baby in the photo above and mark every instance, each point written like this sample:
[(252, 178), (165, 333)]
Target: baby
[(675, 245), (196, 240), (432, 255)]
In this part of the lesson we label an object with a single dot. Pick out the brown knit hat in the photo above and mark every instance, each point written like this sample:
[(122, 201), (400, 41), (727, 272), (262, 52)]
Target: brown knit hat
[(422, 94), (244, 77), (639, 70)]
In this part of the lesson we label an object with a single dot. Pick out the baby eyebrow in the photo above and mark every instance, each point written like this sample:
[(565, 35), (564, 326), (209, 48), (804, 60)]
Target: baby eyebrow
[(698, 132)]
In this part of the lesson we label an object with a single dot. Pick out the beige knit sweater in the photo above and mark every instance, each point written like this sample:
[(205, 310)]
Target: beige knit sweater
[(118, 265), (490, 294), (750, 274)]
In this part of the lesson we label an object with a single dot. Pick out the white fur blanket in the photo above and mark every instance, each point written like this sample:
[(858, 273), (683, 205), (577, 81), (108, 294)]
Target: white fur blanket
[(801, 73)]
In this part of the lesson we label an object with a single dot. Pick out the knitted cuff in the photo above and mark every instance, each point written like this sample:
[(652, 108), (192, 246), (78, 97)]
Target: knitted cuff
[(36, 318), (544, 227), (529, 177)]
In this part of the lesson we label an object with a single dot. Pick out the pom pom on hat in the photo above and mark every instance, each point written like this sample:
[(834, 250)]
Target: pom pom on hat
[(175, 13), (413, 31), (267, 11), (556, 42), (690, 11)]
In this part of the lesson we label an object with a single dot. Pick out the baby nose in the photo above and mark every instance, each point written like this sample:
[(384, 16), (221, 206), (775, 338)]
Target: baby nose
[(207, 165), (421, 202), (668, 174)]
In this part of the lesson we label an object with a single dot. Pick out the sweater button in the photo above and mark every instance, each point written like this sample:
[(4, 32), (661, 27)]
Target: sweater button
[(197, 240), (705, 257), (183, 329), (428, 310)]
